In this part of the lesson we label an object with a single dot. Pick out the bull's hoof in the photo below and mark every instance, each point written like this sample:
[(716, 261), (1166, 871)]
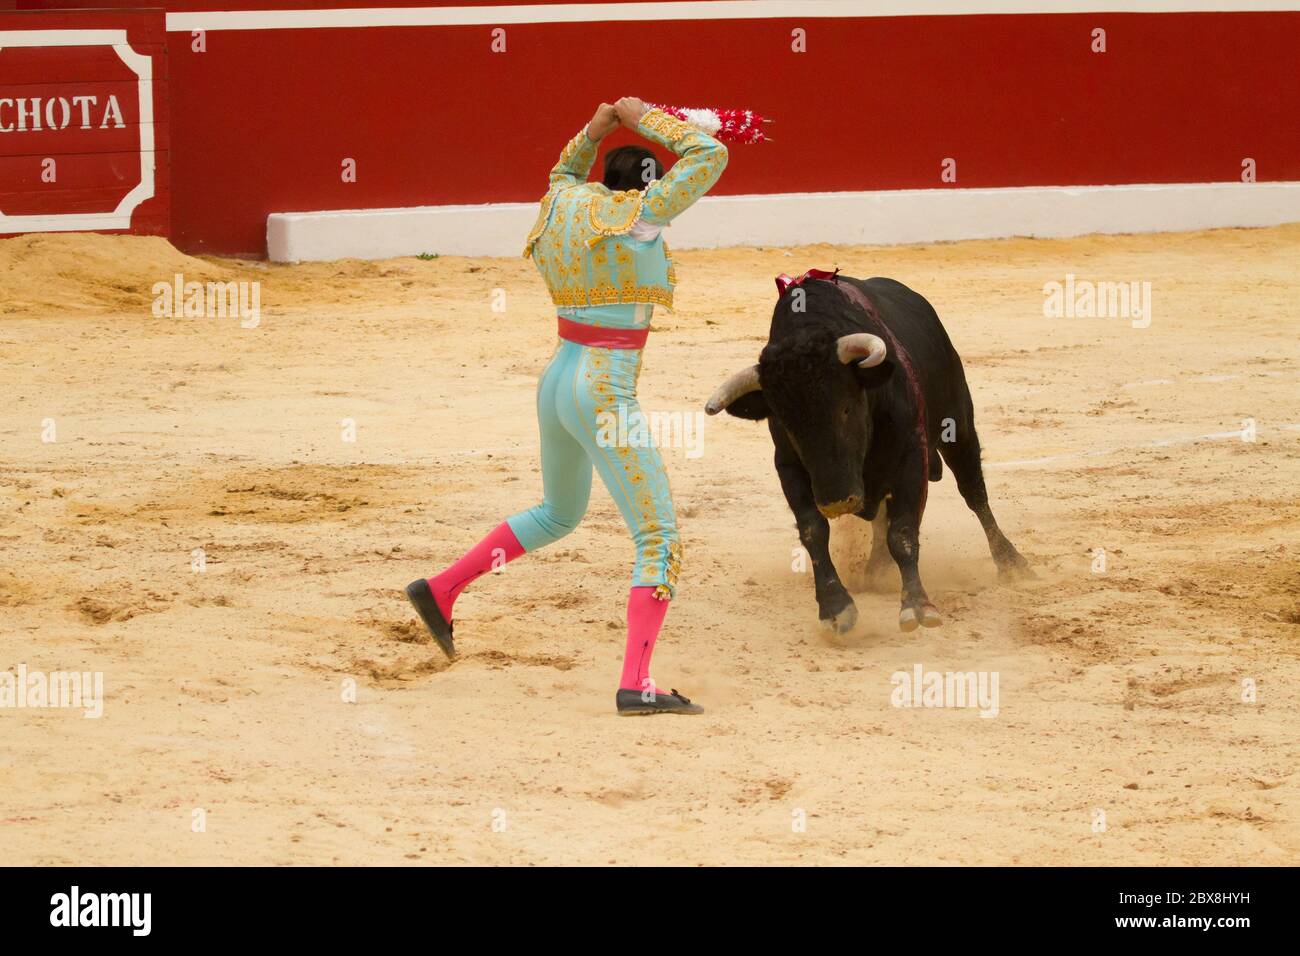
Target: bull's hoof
[(1016, 569), (842, 622), (910, 618)]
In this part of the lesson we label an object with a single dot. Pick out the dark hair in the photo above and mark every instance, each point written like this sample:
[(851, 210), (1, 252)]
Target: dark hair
[(631, 167)]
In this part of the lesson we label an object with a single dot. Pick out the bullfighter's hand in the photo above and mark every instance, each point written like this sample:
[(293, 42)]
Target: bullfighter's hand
[(630, 110), (604, 122)]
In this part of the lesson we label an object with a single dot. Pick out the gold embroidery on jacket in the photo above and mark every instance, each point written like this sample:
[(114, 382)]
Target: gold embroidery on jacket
[(581, 239), (576, 158), (606, 293), (669, 127), (543, 215), (613, 215)]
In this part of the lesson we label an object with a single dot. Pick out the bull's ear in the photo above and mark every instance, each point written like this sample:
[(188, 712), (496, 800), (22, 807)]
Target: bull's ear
[(875, 376), (752, 406)]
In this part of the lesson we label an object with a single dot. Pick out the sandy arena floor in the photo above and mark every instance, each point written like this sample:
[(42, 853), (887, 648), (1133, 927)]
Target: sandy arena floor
[(1120, 691)]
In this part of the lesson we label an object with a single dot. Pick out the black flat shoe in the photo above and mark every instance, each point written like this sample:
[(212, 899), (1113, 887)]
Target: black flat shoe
[(630, 704), (422, 600)]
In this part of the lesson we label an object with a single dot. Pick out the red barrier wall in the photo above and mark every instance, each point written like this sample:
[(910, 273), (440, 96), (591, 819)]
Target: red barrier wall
[(264, 118), (73, 142)]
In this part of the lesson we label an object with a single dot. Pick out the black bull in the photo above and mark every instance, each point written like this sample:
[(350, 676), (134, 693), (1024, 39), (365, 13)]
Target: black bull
[(863, 394)]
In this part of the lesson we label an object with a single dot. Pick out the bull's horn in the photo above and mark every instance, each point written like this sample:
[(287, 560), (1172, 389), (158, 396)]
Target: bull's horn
[(855, 346), (742, 383)]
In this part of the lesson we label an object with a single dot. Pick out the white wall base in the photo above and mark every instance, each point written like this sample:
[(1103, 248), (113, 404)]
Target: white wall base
[(869, 218)]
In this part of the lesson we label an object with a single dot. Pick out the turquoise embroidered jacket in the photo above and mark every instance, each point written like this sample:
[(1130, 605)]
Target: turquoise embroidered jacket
[(580, 242)]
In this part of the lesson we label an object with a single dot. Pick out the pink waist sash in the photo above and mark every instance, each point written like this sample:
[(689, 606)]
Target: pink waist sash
[(602, 338)]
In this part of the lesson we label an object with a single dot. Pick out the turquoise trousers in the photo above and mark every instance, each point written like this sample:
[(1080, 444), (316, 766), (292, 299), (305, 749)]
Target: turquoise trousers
[(590, 419)]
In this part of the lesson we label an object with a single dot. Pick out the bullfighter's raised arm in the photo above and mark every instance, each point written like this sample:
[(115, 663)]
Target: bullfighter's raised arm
[(575, 162), (702, 160), (580, 152)]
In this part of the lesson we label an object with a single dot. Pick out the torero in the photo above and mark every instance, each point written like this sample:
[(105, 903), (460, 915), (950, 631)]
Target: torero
[(599, 248)]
